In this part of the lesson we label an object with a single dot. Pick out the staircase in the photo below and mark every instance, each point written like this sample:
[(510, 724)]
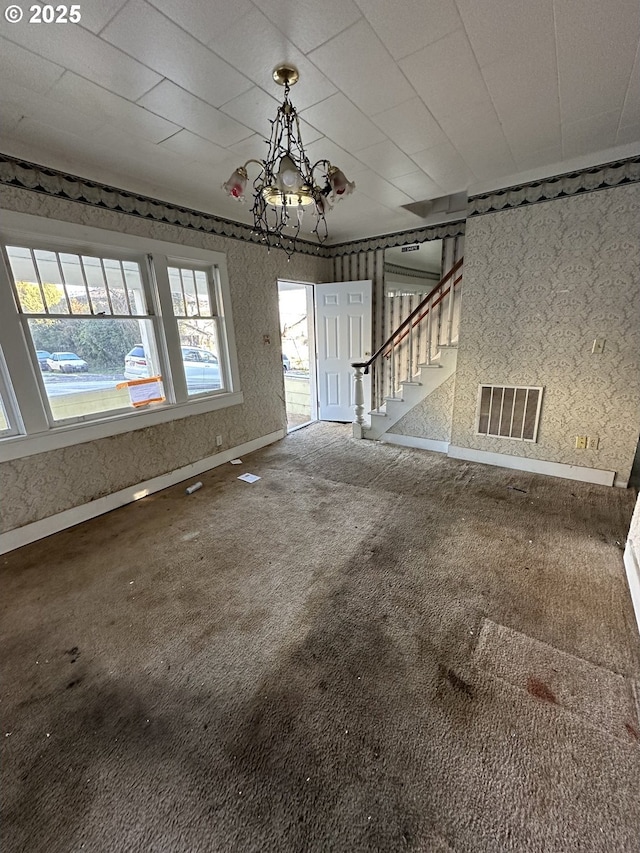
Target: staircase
[(416, 359)]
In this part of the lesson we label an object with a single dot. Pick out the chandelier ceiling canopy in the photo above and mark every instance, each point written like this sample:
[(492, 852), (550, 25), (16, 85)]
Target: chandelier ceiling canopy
[(287, 183)]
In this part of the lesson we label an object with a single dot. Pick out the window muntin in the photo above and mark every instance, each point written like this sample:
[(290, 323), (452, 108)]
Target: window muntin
[(86, 312), (37, 427), (507, 411), (193, 298)]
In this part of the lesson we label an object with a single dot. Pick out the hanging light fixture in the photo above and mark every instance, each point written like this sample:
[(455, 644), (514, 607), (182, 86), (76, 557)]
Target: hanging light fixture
[(287, 183)]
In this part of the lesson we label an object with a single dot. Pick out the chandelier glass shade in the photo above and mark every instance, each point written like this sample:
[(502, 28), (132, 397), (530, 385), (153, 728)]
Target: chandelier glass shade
[(287, 183)]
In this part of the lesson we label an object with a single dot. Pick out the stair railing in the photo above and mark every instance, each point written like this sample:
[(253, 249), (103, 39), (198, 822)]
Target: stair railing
[(412, 343)]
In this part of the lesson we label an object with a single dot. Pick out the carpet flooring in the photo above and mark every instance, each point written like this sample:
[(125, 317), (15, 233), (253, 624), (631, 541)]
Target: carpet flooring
[(371, 648)]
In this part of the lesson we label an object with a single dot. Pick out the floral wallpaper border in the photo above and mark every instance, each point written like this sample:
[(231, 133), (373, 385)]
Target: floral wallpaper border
[(37, 178), (561, 186), (30, 176)]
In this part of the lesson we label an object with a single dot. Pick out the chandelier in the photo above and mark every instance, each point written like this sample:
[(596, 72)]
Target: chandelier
[(287, 183)]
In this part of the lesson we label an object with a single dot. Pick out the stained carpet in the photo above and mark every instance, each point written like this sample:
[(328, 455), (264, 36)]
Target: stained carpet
[(369, 649)]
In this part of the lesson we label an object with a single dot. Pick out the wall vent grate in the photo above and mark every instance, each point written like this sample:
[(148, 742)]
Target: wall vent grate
[(508, 411)]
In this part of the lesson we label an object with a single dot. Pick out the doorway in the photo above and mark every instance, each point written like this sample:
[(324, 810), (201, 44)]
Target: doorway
[(296, 305)]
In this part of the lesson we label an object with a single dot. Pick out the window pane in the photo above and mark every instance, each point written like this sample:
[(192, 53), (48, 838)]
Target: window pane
[(190, 292), (65, 283), (200, 355), (84, 360), (177, 294)]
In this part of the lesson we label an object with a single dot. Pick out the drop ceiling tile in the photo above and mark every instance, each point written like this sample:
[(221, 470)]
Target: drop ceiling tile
[(596, 52), (479, 139), (308, 23), (11, 113), (411, 126), (408, 26), (386, 159), (26, 69), (256, 109), (361, 67), (95, 16), (529, 81), (243, 46), (325, 149), (418, 186), (536, 159), (374, 187), (204, 21), (91, 99), (183, 108), (486, 163), (478, 123), (499, 30), (193, 147), (444, 165), (44, 109), (628, 134), (86, 54), (446, 76), (595, 133), (173, 53), (631, 109), (253, 147), (341, 121), (528, 131)]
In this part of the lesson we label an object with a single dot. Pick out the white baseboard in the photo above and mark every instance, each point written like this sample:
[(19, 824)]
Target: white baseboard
[(414, 441), (633, 577), (54, 523), (534, 466)]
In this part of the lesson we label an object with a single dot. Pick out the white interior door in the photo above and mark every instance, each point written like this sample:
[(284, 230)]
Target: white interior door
[(343, 333)]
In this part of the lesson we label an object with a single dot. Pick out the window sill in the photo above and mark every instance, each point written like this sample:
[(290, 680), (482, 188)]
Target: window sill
[(17, 447)]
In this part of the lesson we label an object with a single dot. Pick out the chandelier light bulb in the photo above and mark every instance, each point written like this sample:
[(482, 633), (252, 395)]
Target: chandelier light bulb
[(289, 177)]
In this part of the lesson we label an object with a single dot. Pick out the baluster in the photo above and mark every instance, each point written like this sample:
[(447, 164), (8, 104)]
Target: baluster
[(392, 392), (359, 396), (429, 329), (410, 370), (450, 312)]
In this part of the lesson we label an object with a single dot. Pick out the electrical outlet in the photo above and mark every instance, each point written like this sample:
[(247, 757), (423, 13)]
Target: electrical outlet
[(598, 346), (592, 442), (218, 441), (581, 442)]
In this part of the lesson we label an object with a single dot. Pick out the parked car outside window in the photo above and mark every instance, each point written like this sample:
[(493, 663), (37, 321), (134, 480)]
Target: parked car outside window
[(43, 355), (67, 362), (286, 364), (201, 367)]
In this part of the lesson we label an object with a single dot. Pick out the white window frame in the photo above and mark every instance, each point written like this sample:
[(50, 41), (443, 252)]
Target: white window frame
[(151, 316), (172, 329), (9, 404), (527, 388), (38, 433)]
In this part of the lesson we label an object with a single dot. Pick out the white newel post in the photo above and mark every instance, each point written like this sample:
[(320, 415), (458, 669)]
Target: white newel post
[(359, 399)]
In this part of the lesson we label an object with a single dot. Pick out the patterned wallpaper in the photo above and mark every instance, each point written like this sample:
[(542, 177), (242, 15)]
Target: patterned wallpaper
[(540, 284), (431, 418), (39, 486)]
